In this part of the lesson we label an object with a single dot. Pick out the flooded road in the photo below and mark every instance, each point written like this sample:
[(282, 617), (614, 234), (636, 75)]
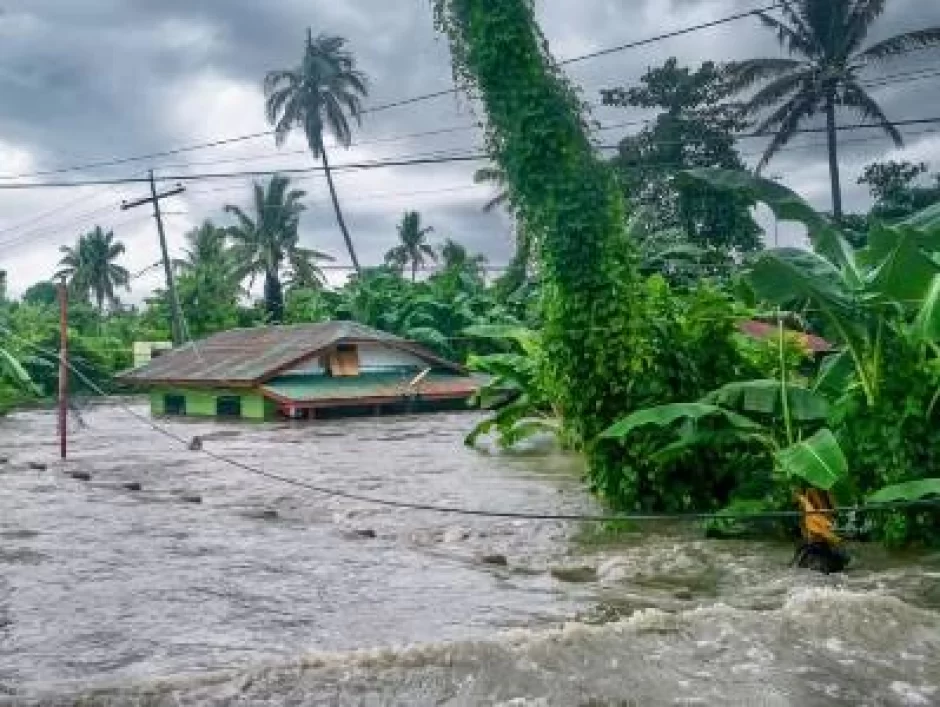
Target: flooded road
[(267, 594)]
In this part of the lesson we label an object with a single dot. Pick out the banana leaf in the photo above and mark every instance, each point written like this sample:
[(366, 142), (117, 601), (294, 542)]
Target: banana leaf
[(900, 269), (667, 415), (916, 490), (926, 325), (926, 219), (817, 460), (765, 396), (786, 205)]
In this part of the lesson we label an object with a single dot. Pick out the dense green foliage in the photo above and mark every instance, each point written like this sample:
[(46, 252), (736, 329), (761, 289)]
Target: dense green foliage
[(695, 128), (568, 200)]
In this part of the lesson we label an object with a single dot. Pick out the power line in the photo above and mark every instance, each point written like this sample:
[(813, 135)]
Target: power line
[(480, 512), (379, 164), (386, 106)]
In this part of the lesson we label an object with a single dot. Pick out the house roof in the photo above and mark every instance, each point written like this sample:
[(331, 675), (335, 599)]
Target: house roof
[(386, 386), (252, 356), (763, 330)]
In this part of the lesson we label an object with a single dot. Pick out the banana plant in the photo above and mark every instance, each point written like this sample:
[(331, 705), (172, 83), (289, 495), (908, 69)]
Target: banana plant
[(884, 297), (744, 413), (520, 409), (890, 288)]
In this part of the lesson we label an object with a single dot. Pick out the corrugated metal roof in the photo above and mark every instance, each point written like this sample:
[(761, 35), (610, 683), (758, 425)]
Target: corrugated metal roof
[(313, 389), (763, 330), (249, 356)]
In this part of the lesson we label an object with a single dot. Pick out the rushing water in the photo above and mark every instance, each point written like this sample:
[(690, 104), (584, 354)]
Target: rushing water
[(269, 594)]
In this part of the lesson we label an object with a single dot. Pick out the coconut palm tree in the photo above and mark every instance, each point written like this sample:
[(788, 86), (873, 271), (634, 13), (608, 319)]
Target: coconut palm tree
[(90, 269), (413, 246), (825, 40), (206, 245), (456, 258), (318, 96), (495, 177), (266, 244)]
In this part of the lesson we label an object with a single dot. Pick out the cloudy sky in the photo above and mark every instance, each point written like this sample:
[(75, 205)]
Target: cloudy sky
[(89, 80)]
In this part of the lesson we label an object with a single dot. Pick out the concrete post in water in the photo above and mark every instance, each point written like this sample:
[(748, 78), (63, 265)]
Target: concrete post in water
[(63, 365)]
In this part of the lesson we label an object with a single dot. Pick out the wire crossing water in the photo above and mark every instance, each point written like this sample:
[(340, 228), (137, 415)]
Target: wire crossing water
[(101, 587)]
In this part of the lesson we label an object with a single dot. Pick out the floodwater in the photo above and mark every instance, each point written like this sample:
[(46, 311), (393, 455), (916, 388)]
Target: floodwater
[(267, 594)]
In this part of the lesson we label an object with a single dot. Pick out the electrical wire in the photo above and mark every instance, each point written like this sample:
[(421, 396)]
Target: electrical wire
[(480, 512), (377, 164), (385, 106)]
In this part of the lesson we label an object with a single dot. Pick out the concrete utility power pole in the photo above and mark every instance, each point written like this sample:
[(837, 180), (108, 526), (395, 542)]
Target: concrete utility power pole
[(63, 292), (154, 198)]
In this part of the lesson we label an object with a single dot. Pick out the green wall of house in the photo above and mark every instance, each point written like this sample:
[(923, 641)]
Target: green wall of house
[(202, 403)]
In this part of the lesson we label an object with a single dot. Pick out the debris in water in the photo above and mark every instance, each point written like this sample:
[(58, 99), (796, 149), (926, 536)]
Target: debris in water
[(494, 559), (821, 548), (195, 444), (262, 513), (821, 557), (131, 486), (574, 574), (80, 475), (38, 466), (191, 498), (365, 533), (4, 460)]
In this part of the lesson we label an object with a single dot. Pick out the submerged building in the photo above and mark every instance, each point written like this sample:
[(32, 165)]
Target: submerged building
[(301, 371)]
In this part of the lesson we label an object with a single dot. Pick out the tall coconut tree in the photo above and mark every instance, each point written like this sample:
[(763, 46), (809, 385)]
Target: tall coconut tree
[(265, 243), (90, 268), (456, 258), (319, 96), (413, 247), (825, 40)]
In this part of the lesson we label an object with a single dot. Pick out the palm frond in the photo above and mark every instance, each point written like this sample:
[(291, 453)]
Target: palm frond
[(798, 83), (742, 75), (854, 96), (861, 17), (796, 42), (901, 44), (787, 119)]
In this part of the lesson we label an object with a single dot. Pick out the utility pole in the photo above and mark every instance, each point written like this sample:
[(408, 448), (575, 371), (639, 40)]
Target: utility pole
[(176, 319), (63, 365)]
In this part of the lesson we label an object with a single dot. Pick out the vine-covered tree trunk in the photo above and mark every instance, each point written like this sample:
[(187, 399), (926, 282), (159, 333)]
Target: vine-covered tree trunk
[(595, 346)]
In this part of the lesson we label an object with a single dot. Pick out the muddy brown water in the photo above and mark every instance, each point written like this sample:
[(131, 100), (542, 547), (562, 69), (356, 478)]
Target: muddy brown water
[(264, 594)]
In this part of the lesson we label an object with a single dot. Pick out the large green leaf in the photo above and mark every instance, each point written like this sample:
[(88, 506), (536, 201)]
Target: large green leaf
[(927, 321), (668, 415), (836, 375), (526, 338), (926, 219), (787, 275), (907, 491), (899, 268), (818, 460), (765, 396), (12, 368), (786, 205)]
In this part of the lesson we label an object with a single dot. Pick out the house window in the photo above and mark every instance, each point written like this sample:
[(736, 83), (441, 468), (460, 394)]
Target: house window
[(174, 404), (228, 406), (344, 361)]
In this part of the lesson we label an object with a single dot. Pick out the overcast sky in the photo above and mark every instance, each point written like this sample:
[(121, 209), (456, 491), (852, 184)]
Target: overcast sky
[(86, 80)]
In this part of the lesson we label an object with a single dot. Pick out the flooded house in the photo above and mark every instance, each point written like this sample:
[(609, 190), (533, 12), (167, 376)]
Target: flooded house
[(301, 371)]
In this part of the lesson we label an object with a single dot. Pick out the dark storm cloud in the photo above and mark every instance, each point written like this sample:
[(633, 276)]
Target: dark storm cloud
[(89, 79)]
